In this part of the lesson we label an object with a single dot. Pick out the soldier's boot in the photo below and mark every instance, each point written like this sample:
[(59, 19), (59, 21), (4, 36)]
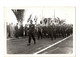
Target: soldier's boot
[(28, 44), (38, 37), (51, 38), (34, 42)]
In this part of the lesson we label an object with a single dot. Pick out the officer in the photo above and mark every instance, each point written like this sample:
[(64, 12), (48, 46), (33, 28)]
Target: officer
[(31, 33)]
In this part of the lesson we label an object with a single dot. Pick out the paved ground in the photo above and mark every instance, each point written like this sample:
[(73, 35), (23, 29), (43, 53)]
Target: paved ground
[(19, 46), (65, 47)]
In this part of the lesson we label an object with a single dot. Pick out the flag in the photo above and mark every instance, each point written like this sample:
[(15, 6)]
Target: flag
[(35, 19), (58, 19), (40, 22), (29, 18), (45, 20)]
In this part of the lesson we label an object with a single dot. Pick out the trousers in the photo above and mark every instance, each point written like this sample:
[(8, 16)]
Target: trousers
[(31, 36)]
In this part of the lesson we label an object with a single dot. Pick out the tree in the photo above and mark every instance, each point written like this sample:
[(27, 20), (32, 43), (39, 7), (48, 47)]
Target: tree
[(19, 13)]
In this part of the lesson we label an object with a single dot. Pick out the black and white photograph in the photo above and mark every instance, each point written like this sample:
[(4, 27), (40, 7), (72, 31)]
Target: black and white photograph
[(40, 30)]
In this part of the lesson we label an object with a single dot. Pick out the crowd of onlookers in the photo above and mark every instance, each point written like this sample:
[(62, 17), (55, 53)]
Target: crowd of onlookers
[(16, 30)]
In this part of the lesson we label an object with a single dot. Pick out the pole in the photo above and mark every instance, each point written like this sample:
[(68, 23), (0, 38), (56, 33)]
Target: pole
[(54, 13)]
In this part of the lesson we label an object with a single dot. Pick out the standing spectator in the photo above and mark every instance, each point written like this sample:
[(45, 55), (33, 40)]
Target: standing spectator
[(21, 30), (25, 30), (8, 30), (16, 31), (12, 30)]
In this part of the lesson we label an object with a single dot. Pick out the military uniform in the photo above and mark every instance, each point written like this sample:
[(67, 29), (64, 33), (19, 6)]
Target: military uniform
[(25, 29), (39, 33), (31, 33), (50, 32)]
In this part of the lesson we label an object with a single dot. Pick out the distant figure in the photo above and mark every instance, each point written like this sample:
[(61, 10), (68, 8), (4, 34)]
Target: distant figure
[(16, 31), (39, 31), (21, 30), (31, 33), (11, 30), (25, 30), (8, 30)]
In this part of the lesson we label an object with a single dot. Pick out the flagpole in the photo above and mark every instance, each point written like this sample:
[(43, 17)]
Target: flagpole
[(54, 13), (42, 13)]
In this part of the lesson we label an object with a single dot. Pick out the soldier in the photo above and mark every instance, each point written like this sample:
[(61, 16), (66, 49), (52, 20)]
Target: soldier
[(31, 33), (50, 32), (39, 33)]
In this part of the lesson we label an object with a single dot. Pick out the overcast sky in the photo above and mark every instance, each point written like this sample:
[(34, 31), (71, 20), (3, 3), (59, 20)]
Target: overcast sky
[(67, 13)]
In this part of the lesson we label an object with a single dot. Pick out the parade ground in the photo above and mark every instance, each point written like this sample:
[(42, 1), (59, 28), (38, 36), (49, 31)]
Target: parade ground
[(42, 46)]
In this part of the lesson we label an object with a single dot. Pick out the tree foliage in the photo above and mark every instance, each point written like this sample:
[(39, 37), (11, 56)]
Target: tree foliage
[(19, 13)]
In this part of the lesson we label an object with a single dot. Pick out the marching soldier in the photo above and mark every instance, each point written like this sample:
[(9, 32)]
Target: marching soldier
[(39, 33), (31, 33), (50, 32)]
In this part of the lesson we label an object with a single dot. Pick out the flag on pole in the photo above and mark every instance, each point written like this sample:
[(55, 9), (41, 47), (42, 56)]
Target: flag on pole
[(58, 18), (35, 19), (29, 18)]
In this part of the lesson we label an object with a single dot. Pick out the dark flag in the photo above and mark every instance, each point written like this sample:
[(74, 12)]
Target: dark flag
[(58, 19), (29, 18), (45, 20), (40, 22)]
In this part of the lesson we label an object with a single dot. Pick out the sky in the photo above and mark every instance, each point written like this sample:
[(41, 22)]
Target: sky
[(67, 13)]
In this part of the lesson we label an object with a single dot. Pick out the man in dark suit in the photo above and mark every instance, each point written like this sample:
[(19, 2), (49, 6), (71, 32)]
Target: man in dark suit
[(21, 30), (31, 33), (16, 31)]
